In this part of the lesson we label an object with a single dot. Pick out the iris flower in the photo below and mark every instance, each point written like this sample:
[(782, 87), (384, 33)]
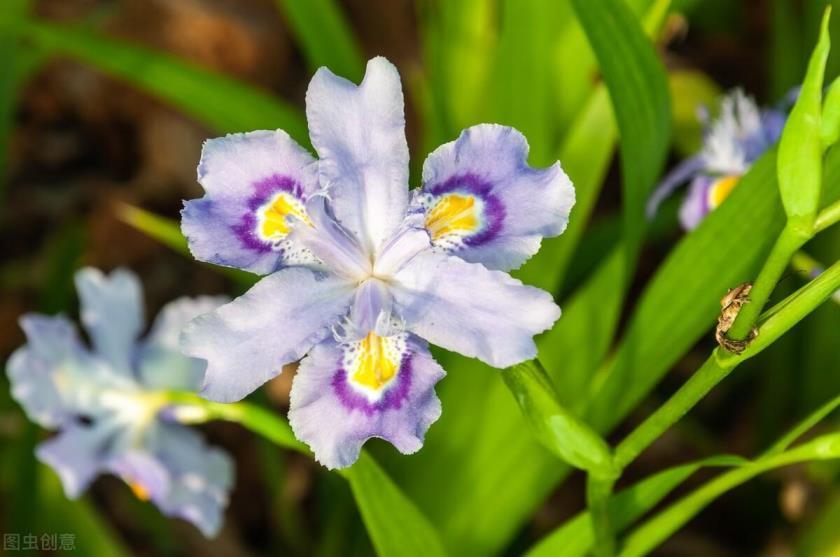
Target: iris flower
[(360, 273), (107, 403), (732, 142)]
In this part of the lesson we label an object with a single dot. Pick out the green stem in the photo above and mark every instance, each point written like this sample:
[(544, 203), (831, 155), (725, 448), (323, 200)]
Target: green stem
[(191, 408), (598, 492), (827, 217), (704, 380), (781, 319), (788, 242)]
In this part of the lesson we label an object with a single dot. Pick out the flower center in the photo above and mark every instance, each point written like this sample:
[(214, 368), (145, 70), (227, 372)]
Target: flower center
[(720, 190), (139, 490), (453, 214), (272, 218), (373, 362)]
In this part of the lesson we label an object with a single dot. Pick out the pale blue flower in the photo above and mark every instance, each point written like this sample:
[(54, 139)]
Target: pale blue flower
[(107, 401), (360, 271), (732, 142)]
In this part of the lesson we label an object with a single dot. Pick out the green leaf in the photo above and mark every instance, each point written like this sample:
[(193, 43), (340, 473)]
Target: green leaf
[(324, 36), (641, 101), (800, 148), (803, 427), (653, 532), (690, 91), (395, 525), (13, 71), (557, 428), (681, 301), (830, 122), (213, 99), (165, 231), (585, 153), (575, 538), (521, 94), (168, 232), (57, 514), (459, 46)]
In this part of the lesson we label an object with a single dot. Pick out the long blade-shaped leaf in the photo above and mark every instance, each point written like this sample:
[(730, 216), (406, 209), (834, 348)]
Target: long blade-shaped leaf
[(324, 36), (13, 53), (217, 101), (641, 101), (395, 525)]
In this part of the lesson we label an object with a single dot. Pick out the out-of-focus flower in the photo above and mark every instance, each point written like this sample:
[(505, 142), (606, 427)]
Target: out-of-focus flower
[(359, 271), (108, 402), (732, 142)]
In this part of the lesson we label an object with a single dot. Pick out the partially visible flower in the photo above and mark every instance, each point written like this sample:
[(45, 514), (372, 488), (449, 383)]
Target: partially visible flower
[(732, 142), (108, 401), (359, 271)]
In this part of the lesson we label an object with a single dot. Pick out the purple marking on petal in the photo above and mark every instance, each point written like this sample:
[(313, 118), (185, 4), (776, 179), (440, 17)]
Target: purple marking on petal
[(494, 210), (393, 398), (246, 230)]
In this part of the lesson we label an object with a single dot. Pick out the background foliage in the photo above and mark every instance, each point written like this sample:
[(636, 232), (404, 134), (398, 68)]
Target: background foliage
[(105, 103)]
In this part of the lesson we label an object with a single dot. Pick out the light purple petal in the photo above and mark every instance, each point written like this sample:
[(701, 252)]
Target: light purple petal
[(514, 205), (469, 309), (77, 454), (162, 364), (335, 416), (371, 302), (111, 308), (683, 172), (695, 206), (248, 341), (183, 476), (243, 175), (359, 134), (53, 343), (336, 248)]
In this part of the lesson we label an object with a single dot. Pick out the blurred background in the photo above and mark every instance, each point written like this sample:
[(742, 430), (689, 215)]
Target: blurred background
[(85, 130)]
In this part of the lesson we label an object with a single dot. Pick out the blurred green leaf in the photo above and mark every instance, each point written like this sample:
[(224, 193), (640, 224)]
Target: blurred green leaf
[(557, 428), (800, 147), (395, 525), (690, 90), (58, 515), (168, 232), (574, 538), (830, 121), (215, 100), (459, 46), (164, 230), (641, 101), (821, 538), (325, 36), (585, 154), (786, 60), (13, 71), (804, 426), (521, 88), (653, 532)]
